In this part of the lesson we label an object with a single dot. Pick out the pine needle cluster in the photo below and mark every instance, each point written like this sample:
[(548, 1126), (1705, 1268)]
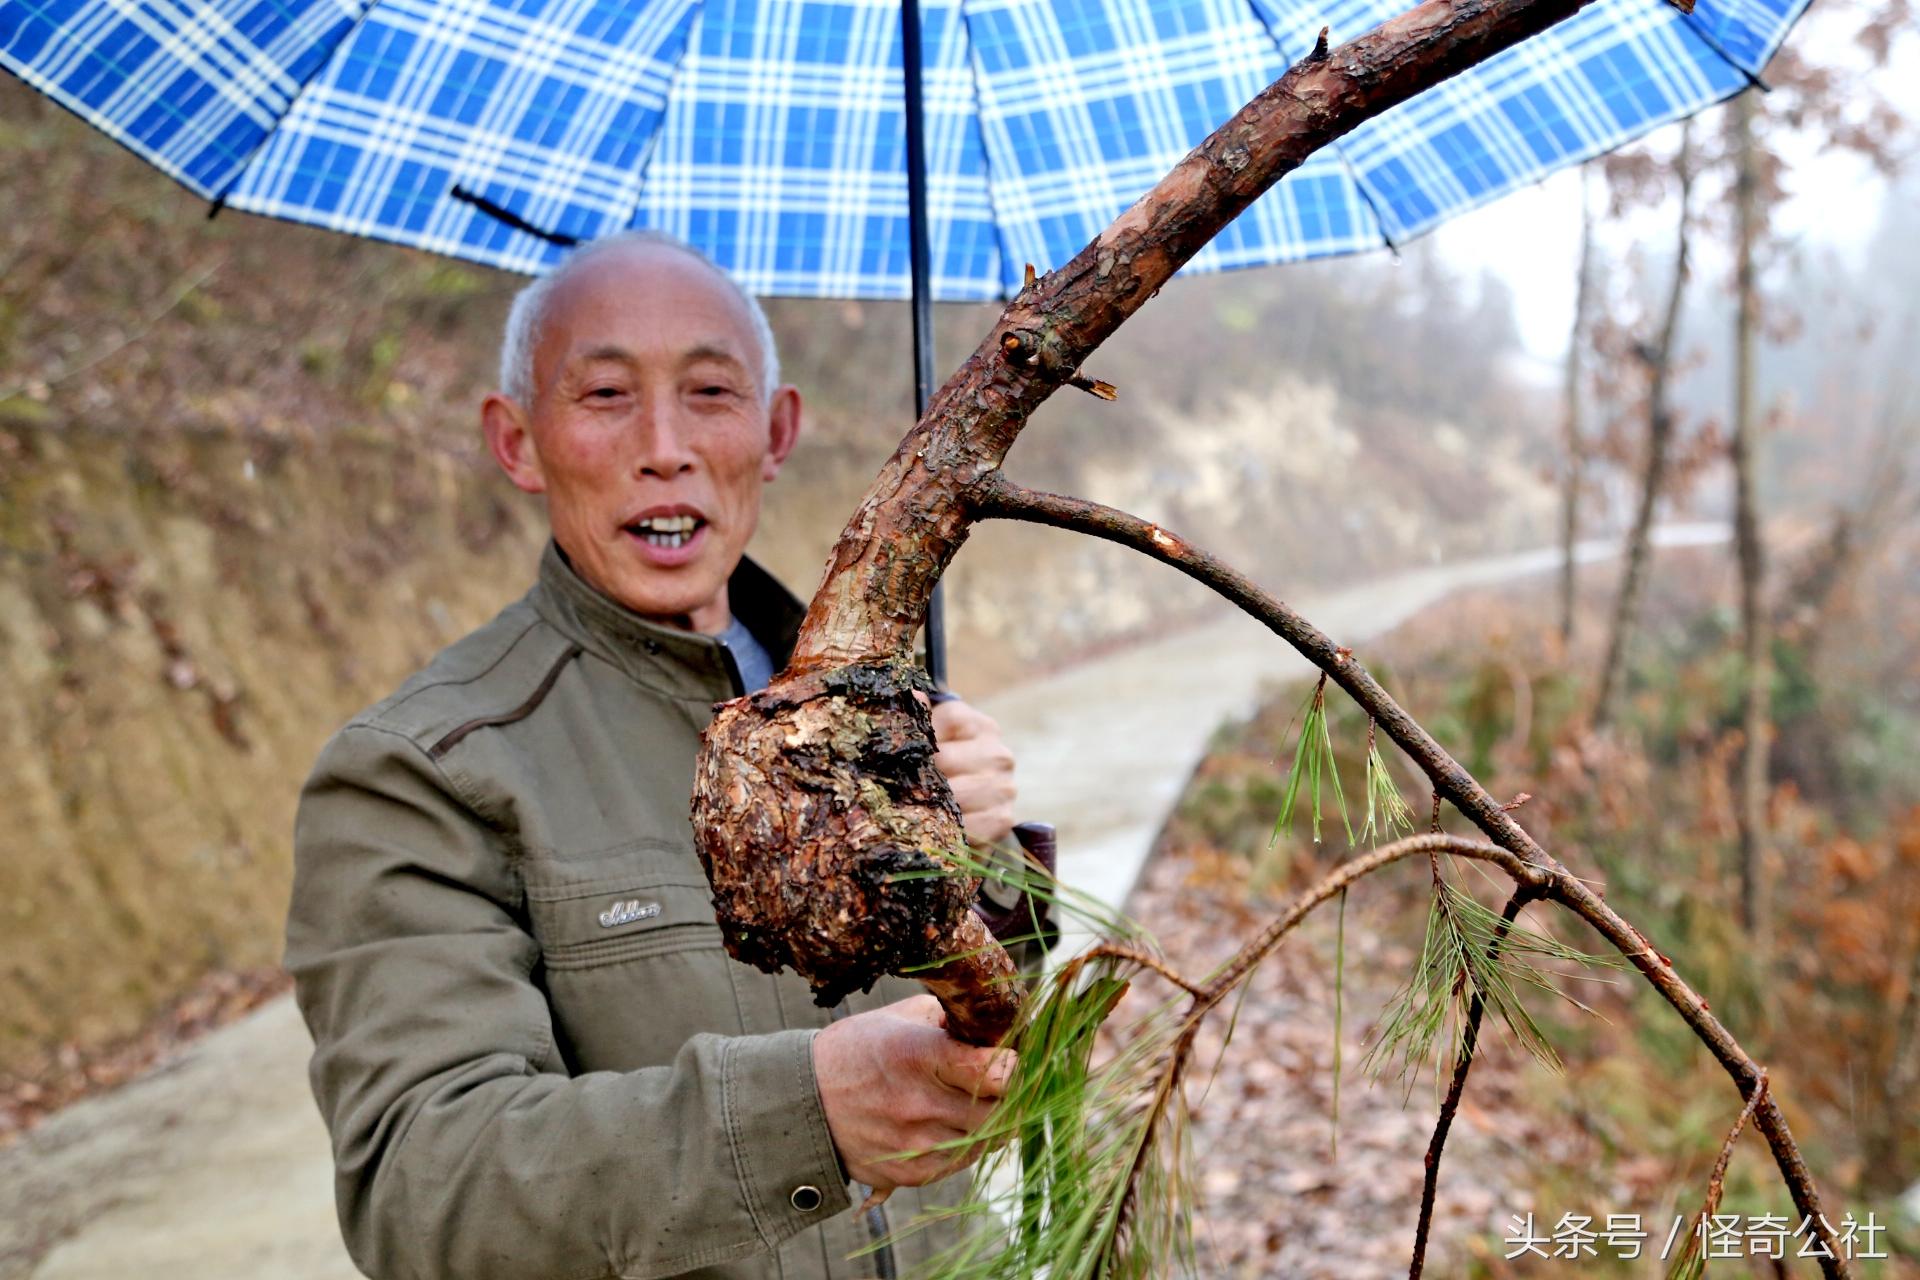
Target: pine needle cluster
[(1066, 906), (1087, 1172), (1470, 953), (1314, 766), (1389, 816)]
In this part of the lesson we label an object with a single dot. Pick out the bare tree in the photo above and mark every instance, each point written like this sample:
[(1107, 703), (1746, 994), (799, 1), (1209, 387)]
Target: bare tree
[(1750, 792), (1574, 439), (1835, 110), (1658, 357)]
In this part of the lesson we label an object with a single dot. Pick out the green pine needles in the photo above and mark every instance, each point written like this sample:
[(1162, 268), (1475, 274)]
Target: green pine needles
[(1083, 1176), (1313, 765), (1316, 769), (1087, 1173), (1011, 869), (1470, 953), (1389, 816)]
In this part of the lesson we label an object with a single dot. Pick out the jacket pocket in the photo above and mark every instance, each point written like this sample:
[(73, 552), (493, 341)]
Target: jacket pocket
[(607, 920), (631, 958)]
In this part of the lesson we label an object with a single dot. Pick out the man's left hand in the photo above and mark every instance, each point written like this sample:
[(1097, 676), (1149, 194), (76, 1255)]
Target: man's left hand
[(977, 764)]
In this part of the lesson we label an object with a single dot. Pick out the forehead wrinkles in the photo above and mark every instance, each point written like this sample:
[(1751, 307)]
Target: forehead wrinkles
[(648, 300)]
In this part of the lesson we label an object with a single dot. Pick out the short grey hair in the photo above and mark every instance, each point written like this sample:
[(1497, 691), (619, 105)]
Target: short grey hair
[(529, 309)]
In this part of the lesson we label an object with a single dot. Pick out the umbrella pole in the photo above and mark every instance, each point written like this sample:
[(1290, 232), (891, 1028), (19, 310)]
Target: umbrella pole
[(919, 265)]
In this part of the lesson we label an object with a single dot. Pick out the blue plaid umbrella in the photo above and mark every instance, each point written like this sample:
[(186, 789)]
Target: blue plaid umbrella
[(770, 133), (801, 144)]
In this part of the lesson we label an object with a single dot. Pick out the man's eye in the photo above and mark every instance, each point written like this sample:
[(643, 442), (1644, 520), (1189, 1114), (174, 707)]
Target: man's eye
[(605, 393), (715, 391)]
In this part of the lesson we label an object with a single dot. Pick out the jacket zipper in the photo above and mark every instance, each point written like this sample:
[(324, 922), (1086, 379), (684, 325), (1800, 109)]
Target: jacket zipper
[(878, 1228), (734, 680)]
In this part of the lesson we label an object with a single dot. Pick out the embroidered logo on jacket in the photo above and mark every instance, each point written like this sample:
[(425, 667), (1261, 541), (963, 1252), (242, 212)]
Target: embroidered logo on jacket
[(627, 912)]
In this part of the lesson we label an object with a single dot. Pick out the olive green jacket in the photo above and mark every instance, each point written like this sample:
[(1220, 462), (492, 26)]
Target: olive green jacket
[(534, 1057)]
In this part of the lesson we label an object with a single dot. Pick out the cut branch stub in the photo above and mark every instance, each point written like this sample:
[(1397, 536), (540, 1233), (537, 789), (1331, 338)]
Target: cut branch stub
[(828, 836)]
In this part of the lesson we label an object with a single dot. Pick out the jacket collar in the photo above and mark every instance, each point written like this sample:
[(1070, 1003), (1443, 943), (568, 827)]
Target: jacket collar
[(667, 659)]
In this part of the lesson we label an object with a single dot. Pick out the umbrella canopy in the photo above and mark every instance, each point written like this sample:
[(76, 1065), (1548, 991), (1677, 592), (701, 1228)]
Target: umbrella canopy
[(770, 133)]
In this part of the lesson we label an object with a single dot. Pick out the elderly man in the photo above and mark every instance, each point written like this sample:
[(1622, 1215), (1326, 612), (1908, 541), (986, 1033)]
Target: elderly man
[(534, 1056)]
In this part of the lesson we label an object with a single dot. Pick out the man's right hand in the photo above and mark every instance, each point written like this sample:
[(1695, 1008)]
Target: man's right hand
[(895, 1085)]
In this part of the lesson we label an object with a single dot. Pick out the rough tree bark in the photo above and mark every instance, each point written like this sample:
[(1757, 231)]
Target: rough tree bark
[(1574, 437), (1750, 793), (1658, 357), (828, 837)]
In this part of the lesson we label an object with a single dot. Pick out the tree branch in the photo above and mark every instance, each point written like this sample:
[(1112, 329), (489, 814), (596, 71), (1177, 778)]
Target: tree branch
[(136, 334), (1250, 956), (995, 497), (1658, 358), (912, 519), (1756, 686), (1456, 1088)]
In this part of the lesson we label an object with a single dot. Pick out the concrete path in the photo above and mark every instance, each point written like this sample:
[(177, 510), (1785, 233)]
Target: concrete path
[(215, 1166), (1106, 748)]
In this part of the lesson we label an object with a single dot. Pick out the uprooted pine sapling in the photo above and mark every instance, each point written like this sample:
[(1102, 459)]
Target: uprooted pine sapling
[(811, 796), (817, 811)]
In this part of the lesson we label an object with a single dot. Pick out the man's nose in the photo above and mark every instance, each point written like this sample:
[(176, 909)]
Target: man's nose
[(664, 444)]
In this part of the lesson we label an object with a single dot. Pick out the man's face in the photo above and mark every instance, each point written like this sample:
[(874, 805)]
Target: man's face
[(648, 432)]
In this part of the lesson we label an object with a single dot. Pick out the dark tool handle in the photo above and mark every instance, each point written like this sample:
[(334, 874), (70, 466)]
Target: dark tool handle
[(1041, 844), (1029, 917)]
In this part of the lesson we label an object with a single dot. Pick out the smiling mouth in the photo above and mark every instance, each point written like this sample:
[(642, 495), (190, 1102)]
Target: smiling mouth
[(667, 532)]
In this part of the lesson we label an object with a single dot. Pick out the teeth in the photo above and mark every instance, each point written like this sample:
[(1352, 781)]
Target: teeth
[(666, 524), (666, 531)]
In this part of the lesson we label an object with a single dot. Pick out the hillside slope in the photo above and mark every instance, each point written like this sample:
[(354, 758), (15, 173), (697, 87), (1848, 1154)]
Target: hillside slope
[(242, 494)]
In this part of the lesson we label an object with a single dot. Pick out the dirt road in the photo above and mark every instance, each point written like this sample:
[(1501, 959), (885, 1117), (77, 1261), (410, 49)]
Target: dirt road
[(215, 1166)]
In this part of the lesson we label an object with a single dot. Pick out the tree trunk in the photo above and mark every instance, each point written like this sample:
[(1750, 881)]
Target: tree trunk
[(1750, 793), (1574, 444), (1659, 361), (830, 841)]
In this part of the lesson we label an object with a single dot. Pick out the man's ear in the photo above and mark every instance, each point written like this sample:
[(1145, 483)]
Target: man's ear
[(510, 440), (783, 421)]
